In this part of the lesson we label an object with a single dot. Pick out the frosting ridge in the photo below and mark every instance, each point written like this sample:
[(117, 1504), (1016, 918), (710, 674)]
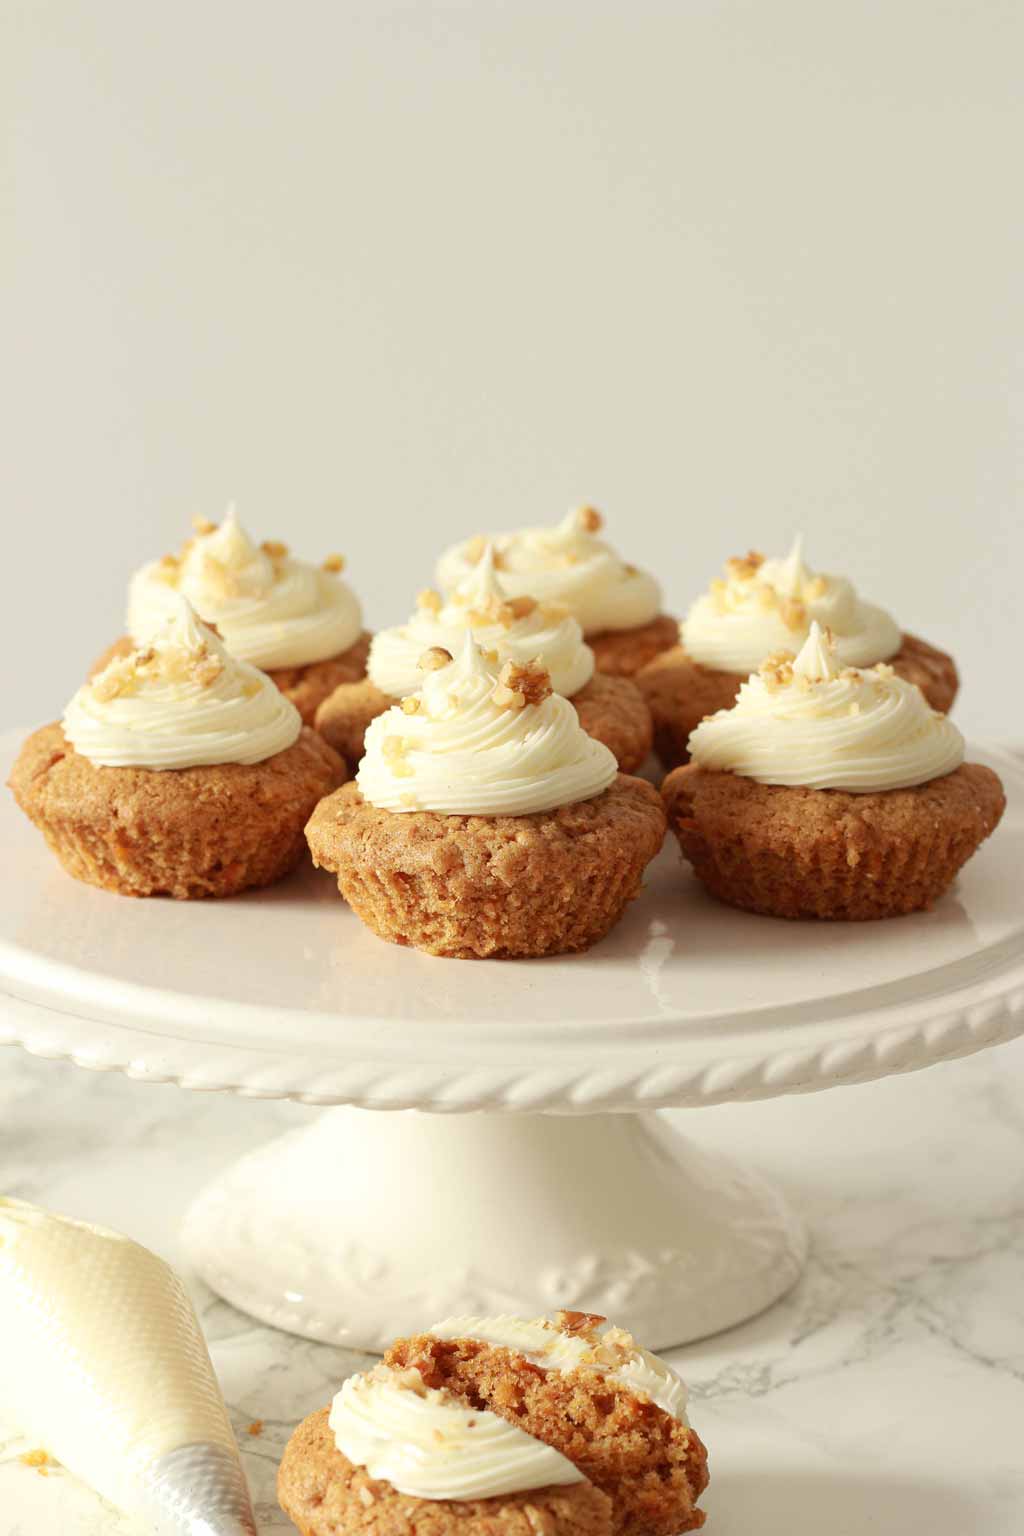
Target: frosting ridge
[(568, 564), (481, 741), (427, 1443), (271, 609), (809, 721), (762, 606), (181, 702)]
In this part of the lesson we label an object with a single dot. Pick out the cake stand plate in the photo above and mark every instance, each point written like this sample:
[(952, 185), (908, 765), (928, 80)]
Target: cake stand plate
[(366, 1224)]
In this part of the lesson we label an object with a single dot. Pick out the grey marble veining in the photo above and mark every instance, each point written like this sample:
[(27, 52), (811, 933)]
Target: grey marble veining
[(885, 1395)]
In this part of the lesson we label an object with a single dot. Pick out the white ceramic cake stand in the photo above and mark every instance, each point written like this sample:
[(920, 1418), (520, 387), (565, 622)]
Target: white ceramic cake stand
[(522, 1167)]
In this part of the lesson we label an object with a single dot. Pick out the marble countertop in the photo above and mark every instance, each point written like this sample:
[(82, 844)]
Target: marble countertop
[(885, 1395)]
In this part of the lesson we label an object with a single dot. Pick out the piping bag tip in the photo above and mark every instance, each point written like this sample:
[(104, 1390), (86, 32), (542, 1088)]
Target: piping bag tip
[(199, 1490)]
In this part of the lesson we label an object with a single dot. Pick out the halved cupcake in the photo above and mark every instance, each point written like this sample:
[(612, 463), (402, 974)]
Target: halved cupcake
[(508, 629), (617, 1412), (617, 606), (299, 623), (484, 821), (393, 1455), (177, 771), (830, 792), (761, 607)]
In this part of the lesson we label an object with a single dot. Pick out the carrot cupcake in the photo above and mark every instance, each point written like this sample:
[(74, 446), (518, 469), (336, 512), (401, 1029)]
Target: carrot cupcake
[(516, 629), (830, 791), (617, 606), (484, 821), (617, 1412), (178, 771), (300, 624), (761, 607), (393, 1456)]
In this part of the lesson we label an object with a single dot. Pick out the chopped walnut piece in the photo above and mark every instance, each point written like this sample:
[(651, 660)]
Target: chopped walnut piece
[(167, 569), (203, 525), (207, 670), (521, 607), (428, 601), (35, 1459), (394, 746), (410, 706), (744, 567), (794, 614), (475, 549), (116, 681), (589, 520), (434, 659), (574, 1323), (522, 683), (883, 669), (275, 549), (334, 564)]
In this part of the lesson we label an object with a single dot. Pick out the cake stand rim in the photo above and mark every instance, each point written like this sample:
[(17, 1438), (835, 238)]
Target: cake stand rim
[(879, 1042)]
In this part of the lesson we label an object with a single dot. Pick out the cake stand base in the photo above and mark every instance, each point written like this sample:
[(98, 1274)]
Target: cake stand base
[(367, 1225)]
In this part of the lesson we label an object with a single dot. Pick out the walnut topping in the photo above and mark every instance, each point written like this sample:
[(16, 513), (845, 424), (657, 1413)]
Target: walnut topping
[(167, 569), (521, 607), (429, 601), (614, 1348), (744, 567), (575, 1323), (334, 564), (410, 706), (503, 611), (275, 549), (794, 614), (589, 520), (522, 683), (207, 670), (777, 670), (35, 1459), (767, 597), (883, 669), (434, 659), (116, 681), (475, 549), (203, 525), (394, 749)]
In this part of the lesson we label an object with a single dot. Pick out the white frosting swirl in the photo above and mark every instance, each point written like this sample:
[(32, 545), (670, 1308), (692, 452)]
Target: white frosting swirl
[(271, 610), (810, 722), (461, 753), (567, 564), (184, 702), (506, 626), (428, 1444), (614, 1354), (763, 606)]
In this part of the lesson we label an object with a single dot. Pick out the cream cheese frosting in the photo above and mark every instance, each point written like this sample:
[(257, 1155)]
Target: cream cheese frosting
[(181, 702), (567, 564), (814, 723), (514, 628), (762, 606), (426, 1443), (272, 610), (473, 743), (613, 1353), (103, 1362)]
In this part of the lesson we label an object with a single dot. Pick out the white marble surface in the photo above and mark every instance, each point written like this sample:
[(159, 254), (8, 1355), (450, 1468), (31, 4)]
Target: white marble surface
[(886, 1395)]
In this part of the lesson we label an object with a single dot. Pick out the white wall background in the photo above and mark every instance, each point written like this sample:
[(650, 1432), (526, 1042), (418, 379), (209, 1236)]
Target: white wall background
[(388, 273)]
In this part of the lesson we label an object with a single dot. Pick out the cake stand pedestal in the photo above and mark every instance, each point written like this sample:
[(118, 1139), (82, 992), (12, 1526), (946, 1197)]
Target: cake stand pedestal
[(522, 1167)]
